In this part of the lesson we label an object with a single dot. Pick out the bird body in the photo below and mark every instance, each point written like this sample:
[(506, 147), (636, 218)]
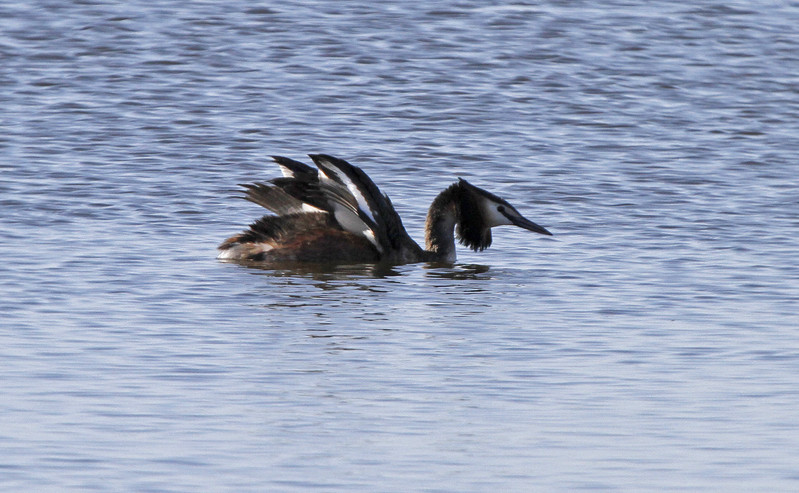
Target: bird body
[(336, 214)]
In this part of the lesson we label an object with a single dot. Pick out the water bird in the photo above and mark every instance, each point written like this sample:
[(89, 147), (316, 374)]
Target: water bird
[(334, 213)]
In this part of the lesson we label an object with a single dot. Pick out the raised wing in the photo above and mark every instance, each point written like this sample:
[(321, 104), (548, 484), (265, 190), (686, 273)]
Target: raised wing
[(354, 208), (340, 189), (275, 199), (306, 189), (373, 207), (295, 169)]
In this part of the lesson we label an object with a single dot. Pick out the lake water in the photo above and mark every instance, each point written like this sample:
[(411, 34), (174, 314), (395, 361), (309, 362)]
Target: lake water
[(651, 345)]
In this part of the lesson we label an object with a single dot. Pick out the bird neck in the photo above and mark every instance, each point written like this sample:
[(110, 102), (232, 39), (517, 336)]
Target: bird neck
[(440, 225)]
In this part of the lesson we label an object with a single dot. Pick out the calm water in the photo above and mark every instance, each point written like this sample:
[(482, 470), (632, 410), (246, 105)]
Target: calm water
[(651, 345)]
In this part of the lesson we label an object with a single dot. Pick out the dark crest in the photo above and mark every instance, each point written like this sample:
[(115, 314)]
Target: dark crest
[(472, 230)]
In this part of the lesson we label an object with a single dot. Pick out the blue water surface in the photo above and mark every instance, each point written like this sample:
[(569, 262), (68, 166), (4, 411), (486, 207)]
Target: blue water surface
[(650, 345)]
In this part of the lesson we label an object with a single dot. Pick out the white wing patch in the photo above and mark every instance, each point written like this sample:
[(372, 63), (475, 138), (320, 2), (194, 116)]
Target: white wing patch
[(363, 204), (343, 190), (370, 235), (324, 178), (287, 173), (351, 186), (350, 221), (309, 208)]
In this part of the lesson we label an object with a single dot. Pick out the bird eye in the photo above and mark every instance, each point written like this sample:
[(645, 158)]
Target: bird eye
[(501, 208)]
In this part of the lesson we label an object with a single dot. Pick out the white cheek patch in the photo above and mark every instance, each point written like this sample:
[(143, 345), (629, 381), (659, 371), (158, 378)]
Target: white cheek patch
[(493, 217)]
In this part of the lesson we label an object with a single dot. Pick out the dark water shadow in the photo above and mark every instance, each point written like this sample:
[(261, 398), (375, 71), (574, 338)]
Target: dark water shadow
[(334, 272), (321, 271), (458, 272)]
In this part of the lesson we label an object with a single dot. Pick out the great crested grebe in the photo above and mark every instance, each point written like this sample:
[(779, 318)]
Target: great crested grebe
[(336, 214)]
